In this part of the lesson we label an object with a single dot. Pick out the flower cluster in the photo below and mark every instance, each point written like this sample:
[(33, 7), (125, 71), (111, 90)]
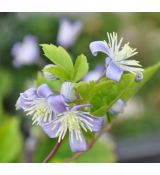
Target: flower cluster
[(57, 113), (55, 116)]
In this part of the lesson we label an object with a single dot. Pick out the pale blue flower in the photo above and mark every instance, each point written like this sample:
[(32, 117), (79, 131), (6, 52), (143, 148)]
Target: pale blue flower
[(41, 104), (74, 121), (26, 52), (56, 117), (116, 62), (68, 32)]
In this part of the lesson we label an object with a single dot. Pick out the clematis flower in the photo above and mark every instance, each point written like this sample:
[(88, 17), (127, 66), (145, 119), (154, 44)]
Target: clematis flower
[(41, 104), (94, 74), (117, 107), (68, 32), (116, 62), (73, 120), (26, 52)]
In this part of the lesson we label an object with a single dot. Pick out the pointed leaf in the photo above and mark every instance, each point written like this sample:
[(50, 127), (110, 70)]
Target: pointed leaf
[(80, 68), (59, 56), (58, 72), (126, 88)]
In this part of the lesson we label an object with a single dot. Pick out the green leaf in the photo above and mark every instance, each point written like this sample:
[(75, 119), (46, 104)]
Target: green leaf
[(11, 140), (58, 72), (80, 68), (110, 91), (84, 89), (59, 56), (148, 73)]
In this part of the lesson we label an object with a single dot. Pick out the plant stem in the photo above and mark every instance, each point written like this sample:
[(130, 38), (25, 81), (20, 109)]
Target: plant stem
[(53, 152), (76, 155)]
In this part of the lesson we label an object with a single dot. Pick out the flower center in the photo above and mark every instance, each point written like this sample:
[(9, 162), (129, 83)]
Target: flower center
[(41, 111), (72, 121)]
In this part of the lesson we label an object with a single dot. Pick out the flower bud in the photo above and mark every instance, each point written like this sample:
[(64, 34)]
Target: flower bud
[(139, 77), (47, 74), (68, 91)]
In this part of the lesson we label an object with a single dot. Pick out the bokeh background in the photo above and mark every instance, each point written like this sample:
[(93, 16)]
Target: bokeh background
[(135, 135)]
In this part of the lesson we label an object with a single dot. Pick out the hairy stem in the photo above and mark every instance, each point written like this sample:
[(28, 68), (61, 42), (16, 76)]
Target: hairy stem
[(90, 145), (53, 152)]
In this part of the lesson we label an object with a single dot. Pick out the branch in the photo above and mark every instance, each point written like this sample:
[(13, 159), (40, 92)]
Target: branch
[(76, 155), (53, 152)]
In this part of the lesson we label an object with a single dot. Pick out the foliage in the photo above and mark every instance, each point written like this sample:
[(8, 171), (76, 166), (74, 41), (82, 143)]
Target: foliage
[(11, 140)]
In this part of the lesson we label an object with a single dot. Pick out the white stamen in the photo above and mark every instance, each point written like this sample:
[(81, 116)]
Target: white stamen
[(41, 110)]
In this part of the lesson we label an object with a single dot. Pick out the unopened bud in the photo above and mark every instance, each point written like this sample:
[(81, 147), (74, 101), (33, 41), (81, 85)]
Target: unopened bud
[(68, 91)]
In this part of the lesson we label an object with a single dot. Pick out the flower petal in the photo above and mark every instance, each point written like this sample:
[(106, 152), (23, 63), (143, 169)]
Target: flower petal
[(22, 104), (77, 145), (58, 103), (29, 94), (95, 123), (44, 91), (51, 129), (25, 98), (129, 68), (99, 46), (113, 72), (77, 107)]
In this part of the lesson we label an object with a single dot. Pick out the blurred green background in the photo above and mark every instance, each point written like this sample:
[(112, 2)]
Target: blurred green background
[(135, 136)]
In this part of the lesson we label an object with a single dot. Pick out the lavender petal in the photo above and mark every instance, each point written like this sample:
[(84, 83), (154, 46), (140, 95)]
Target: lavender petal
[(25, 98), (58, 103), (44, 91), (96, 122), (77, 107), (113, 72), (51, 129), (77, 145), (99, 46)]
